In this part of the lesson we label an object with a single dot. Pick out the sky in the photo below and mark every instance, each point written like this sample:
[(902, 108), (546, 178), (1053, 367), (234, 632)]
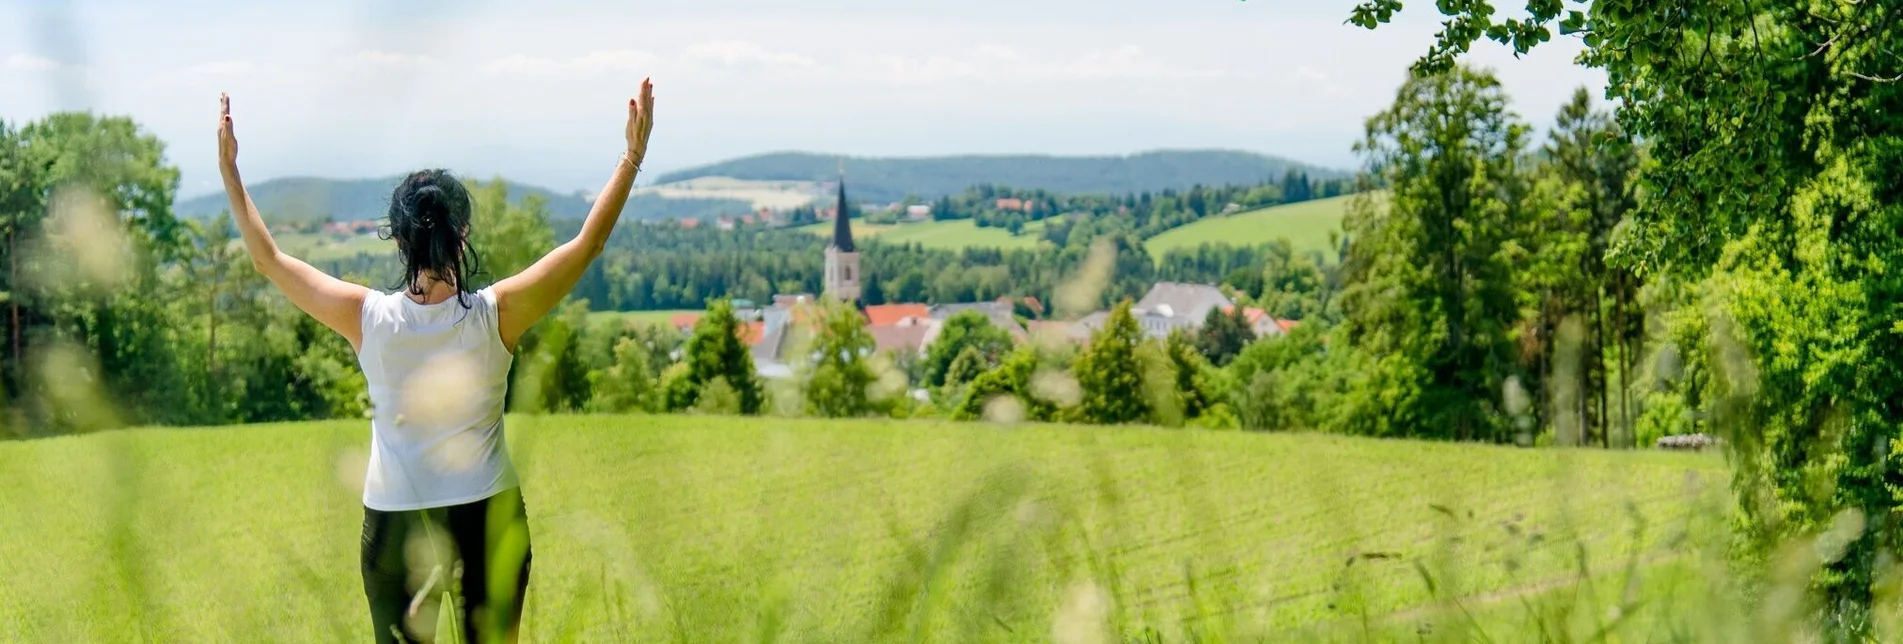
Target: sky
[(537, 91)]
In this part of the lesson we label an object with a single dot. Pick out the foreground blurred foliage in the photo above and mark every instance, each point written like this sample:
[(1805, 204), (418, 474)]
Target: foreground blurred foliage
[(1771, 205)]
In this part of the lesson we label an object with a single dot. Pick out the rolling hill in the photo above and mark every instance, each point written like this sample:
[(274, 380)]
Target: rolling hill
[(709, 529), (313, 199), (886, 179), (1306, 225)]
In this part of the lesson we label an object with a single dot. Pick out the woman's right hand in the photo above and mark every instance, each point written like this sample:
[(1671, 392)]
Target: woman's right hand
[(640, 122)]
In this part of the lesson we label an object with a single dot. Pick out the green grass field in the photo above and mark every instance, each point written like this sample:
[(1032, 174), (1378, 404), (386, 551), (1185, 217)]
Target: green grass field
[(599, 319), (949, 235), (718, 529), (1306, 225), (320, 247)]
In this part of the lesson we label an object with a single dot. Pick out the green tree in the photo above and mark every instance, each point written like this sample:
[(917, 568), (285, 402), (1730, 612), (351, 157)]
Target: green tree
[(1773, 144), (551, 374), (1190, 374), (1014, 378), (1224, 334), (715, 351), (836, 376), (1110, 373), (1430, 294), (507, 237), (627, 385), (965, 329)]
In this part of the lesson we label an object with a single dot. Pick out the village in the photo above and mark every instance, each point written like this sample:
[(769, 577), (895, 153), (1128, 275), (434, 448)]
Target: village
[(911, 328)]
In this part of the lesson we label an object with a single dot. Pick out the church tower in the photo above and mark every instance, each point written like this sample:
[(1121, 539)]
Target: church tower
[(842, 258)]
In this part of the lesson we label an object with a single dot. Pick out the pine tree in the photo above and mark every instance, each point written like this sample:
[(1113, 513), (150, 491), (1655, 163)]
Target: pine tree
[(1110, 373), (715, 350)]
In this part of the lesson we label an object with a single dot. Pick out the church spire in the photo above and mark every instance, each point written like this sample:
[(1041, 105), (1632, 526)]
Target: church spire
[(842, 224)]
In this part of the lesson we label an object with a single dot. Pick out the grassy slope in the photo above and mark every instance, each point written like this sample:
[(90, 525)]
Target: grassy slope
[(607, 318), (951, 235), (707, 528), (1306, 225)]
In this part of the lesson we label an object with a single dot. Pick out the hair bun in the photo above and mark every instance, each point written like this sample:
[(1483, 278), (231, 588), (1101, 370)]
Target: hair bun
[(430, 205)]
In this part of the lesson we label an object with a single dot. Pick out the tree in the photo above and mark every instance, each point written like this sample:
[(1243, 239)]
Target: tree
[(1772, 188), (1190, 375), (1014, 379), (837, 376), (626, 386), (1110, 373), (507, 237), (552, 376), (1224, 334), (965, 329), (716, 350), (1430, 292)]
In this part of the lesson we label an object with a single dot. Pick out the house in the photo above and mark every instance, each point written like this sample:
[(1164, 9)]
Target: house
[(918, 212), (895, 314), (683, 322), (1168, 306), (999, 312), (1010, 203), (724, 222), (690, 223), (1262, 324), (901, 338)]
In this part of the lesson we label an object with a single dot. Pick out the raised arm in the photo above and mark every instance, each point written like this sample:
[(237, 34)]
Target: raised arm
[(334, 302), (523, 298)]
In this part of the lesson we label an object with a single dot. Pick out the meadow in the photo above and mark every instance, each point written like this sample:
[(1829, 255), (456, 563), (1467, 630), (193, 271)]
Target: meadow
[(1306, 225), (955, 234), (606, 320), (679, 528)]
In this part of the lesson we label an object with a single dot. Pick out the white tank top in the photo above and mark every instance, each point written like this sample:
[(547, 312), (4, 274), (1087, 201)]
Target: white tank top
[(438, 375)]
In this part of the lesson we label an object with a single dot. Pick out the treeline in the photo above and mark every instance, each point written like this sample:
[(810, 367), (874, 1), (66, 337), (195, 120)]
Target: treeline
[(1145, 213), (886, 180)]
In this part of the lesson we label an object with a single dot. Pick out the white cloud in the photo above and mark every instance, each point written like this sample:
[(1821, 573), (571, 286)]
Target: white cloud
[(31, 63), (617, 60), (997, 62), (222, 68), (739, 53), (376, 58)]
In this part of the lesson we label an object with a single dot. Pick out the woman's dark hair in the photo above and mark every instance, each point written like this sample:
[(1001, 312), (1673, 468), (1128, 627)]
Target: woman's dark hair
[(429, 219)]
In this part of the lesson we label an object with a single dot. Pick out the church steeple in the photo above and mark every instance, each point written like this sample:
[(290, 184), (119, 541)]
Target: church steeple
[(842, 258), (842, 224)]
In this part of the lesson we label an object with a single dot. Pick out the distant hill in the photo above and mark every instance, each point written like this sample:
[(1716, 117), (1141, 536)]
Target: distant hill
[(891, 178), (1306, 225), (313, 199)]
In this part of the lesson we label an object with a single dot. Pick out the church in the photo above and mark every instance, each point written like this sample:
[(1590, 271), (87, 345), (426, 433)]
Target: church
[(894, 327)]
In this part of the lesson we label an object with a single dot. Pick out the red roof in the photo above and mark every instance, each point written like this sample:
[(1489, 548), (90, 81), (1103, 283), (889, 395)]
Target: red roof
[(683, 320), (1287, 325), (892, 314), (752, 333)]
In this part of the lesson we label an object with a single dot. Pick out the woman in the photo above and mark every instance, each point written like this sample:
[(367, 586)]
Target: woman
[(439, 468)]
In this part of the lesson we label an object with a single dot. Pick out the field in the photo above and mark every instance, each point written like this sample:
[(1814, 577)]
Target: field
[(604, 318), (700, 529), (1306, 225), (949, 235), (322, 247), (778, 195)]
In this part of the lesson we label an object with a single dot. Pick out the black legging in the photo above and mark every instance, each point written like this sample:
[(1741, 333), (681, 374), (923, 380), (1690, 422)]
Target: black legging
[(497, 527)]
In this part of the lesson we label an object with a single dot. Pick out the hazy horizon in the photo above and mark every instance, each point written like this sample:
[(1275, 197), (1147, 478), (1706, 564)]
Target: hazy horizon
[(359, 90)]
